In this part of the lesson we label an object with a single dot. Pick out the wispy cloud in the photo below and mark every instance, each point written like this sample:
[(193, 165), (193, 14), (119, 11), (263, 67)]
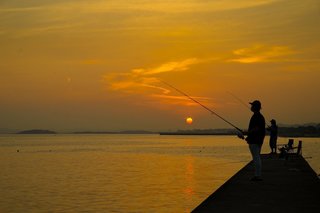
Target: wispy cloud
[(19, 9), (146, 80), (80, 17), (177, 6), (261, 53), (173, 66), (147, 77), (134, 84), (182, 100)]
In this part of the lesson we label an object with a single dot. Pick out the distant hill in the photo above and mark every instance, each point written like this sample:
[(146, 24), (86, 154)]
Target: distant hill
[(300, 131), (36, 131), (299, 125)]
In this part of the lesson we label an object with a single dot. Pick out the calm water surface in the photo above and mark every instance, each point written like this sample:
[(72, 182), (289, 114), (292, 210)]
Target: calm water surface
[(120, 173)]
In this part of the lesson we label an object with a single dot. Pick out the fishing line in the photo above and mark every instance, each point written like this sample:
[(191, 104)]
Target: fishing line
[(241, 101), (212, 112)]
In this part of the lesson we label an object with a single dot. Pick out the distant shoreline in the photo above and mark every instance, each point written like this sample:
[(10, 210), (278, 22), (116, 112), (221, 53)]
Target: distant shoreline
[(293, 131), (120, 132), (226, 134), (36, 131), (194, 133)]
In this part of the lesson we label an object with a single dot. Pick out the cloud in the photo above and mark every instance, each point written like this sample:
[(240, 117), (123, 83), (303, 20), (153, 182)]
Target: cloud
[(146, 81), (82, 17), (261, 54), (177, 6), (146, 77), (173, 66), (182, 100), (134, 84), (19, 9)]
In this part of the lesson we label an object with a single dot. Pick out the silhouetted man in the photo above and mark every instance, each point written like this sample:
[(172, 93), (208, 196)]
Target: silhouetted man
[(255, 137), (273, 129)]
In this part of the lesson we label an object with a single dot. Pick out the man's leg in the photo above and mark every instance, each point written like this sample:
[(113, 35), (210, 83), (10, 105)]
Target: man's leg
[(255, 150)]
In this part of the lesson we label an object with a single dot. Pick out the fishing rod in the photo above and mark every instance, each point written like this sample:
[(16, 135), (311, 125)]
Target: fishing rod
[(212, 112), (242, 102)]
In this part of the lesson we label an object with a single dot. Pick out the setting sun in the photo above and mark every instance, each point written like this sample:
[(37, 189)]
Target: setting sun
[(189, 120)]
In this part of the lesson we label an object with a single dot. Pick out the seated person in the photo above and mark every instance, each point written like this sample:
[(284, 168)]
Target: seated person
[(286, 148)]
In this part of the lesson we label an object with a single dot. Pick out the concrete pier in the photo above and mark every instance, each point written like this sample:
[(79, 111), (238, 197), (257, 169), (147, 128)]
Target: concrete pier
[(288, 186)]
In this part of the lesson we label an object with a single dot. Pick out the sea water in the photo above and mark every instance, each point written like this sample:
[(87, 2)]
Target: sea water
[(120, 173)]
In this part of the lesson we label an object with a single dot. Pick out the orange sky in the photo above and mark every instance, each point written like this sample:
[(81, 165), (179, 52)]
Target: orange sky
[(98, 65)]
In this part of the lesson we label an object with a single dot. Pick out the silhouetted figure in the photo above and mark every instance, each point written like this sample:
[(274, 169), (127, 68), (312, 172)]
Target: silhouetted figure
[(255, 137), (273, 129), (286, 148)]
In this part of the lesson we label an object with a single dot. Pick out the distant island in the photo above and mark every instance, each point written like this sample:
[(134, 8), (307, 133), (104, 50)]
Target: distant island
[(36, 131)]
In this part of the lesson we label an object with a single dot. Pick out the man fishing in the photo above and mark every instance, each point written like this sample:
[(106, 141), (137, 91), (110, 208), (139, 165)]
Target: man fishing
[(255, 137), (255, 133), (273, 129)]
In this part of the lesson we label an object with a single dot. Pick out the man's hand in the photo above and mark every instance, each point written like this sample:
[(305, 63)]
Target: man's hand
[(240, 135)]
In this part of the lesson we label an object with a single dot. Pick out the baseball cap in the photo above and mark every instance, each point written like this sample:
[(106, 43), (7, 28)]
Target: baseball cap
[(256, 103)]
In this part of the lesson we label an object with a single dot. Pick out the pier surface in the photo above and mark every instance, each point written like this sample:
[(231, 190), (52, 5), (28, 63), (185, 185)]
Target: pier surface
[(288, 186)]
